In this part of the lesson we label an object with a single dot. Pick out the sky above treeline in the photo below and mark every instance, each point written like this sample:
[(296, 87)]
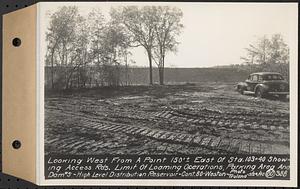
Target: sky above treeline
[(214, 34)]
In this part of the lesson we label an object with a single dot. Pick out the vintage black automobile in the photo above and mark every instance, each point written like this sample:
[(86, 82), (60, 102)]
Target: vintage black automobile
[(264, 84)]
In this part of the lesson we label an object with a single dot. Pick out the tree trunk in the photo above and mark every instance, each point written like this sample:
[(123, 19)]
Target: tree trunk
[(78, 79), (68, 81), (161, 71), (126, 70), (161, 75), (69, 77), (150, 66), (52, 69)]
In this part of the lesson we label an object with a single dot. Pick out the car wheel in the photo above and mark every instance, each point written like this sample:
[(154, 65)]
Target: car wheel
[(240, 90), (259, 93)]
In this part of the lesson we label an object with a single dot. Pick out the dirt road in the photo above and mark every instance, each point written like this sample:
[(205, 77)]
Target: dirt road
[(208, 118)]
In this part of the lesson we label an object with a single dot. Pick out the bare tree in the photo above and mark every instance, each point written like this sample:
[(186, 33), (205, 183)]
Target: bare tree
[(81, 58), (63, 43), (267, 51), (116, 46), (139, 23), (268, 54), (279, 51), (59, 33), (109, 45), (167, 27), (97, 24), (258, 53)]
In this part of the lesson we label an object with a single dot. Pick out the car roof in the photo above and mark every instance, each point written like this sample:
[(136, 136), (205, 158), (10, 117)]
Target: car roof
[(265, 73)]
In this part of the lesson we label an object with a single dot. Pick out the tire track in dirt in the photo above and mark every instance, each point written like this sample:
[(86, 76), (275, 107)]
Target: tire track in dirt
[(93, 123), (241, 120)]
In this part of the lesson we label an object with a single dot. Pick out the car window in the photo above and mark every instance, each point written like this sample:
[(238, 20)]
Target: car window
[(260, 78), (272, 77), (255, 78)]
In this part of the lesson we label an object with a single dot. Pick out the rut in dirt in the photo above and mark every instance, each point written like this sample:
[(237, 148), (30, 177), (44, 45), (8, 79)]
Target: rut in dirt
[(91, 123)]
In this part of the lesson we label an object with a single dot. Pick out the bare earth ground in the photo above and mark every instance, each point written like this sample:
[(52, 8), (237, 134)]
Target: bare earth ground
[(208, 118)]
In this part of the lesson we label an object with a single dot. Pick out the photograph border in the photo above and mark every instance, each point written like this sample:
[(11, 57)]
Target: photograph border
[(168, 182)]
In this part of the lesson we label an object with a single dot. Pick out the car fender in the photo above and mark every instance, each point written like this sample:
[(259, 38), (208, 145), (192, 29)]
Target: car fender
[(242, 84), (261, 86)]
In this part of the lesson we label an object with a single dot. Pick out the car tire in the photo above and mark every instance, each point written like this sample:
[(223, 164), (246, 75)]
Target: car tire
[(259, 93), (240, 90)]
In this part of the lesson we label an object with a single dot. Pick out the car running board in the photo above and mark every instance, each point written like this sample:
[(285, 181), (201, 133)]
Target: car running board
[(249, 92)]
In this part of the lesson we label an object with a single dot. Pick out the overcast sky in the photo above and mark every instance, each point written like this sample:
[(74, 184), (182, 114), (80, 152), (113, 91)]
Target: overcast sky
[(214, 33)]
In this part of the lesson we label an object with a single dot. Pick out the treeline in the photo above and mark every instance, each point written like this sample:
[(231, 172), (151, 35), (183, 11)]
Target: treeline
[(140, 76), (282, 68), (92, 47)]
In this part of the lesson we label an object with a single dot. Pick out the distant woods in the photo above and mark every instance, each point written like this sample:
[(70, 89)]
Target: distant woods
[(91, 50), (267, 54)]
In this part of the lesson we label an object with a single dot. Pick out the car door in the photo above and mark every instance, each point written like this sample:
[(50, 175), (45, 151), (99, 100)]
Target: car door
[(252, 82)]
